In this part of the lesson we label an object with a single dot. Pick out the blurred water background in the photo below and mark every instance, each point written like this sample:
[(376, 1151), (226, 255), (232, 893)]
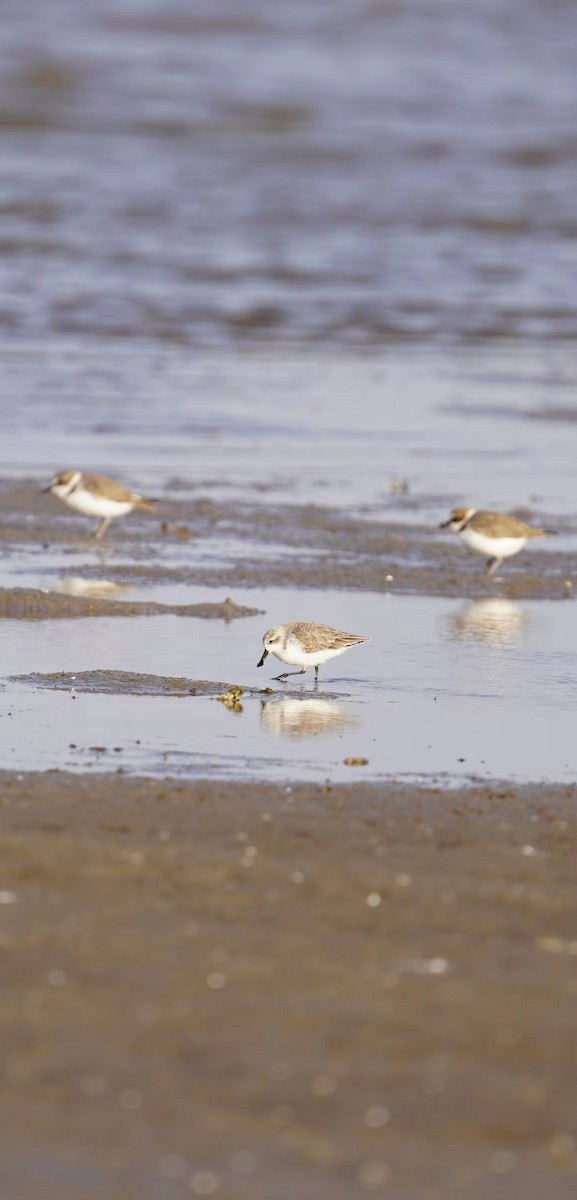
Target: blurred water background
[(346, 172)]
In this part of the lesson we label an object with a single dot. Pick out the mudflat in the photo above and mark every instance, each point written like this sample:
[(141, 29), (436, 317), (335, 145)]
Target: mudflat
[(236, 544), (253, 990), (308, 307)]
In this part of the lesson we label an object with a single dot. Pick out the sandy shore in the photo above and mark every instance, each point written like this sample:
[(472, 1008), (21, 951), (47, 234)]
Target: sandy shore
[(255, 991)]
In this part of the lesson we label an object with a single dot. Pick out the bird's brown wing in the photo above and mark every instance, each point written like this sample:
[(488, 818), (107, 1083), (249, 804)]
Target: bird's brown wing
[(101, 485), (322, 637), (502, 525)]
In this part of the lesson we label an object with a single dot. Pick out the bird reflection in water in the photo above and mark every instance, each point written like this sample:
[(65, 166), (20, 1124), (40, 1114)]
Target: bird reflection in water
[(74, 585), (307, 718), (494, 621)]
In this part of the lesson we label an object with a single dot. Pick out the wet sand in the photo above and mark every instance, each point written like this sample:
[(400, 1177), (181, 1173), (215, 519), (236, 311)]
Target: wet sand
[(252, 991), (242, 544), (32, 604), (262, 991), (308, 307)]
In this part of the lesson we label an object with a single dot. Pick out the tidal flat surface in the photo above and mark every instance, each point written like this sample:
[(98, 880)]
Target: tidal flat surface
[(282, 498), (220, 979), (446, 689), (305, 273)]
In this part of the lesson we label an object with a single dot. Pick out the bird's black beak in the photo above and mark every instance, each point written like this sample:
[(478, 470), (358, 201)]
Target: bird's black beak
[(445, 524), (264, 655), (46, 489)]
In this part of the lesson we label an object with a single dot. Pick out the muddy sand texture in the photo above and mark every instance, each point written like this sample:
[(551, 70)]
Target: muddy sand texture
[(33, 604), (135, 683), (263, 992), (307, 545), (121, 683)]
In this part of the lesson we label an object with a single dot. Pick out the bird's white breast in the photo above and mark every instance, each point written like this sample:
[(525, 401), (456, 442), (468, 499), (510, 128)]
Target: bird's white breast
[(96, 506), (294, 656), (491, 547)]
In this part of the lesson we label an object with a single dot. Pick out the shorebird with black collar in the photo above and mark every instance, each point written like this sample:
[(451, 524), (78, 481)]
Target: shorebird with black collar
[(96, 496), (495, 535)]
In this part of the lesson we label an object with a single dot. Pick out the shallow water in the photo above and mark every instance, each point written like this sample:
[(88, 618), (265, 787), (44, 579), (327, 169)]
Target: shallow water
[(307, 255), (444, 689), (447, 689), (360, 172), (407, 434)]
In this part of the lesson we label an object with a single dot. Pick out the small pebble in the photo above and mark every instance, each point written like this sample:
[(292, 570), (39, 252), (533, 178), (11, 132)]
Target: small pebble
[(95, 1085), (216, 980), (502, 1162), (374, 1174), (562, 1151), (204, 1183), (57, 978), (172, 1166), (324, 1085), (376, 1116)]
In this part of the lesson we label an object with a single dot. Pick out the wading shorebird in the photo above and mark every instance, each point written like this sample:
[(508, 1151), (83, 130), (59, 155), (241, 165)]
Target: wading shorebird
[(96, 496), (305, 644), (495, 535)]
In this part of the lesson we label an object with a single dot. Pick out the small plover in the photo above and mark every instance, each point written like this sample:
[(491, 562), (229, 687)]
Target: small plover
[(305, 644), (495, 535), (96, 496)]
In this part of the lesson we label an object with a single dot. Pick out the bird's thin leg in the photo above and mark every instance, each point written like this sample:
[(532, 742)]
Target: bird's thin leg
[(103, 527), (493, 565), (288, 674), (317, 673)]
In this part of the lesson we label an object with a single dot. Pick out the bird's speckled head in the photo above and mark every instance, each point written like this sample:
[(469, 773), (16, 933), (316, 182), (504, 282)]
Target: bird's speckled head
[(273, 641), (273, 638)]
